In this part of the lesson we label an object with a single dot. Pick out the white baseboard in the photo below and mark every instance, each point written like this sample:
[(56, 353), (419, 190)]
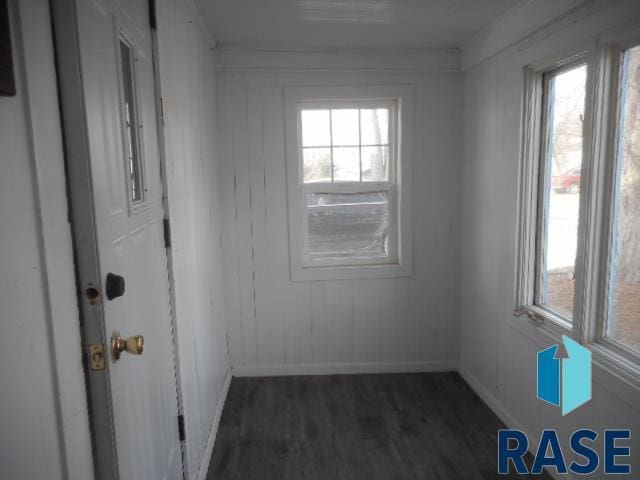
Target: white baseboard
[(488, 398), (213, 431), (496, 406), (342, 368)]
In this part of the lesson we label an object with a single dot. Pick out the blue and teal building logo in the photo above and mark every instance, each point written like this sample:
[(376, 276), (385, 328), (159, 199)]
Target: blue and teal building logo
[(564, 380), (564, 375)]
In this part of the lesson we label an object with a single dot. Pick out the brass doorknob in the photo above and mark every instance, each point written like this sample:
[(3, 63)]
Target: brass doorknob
[(133, 345)]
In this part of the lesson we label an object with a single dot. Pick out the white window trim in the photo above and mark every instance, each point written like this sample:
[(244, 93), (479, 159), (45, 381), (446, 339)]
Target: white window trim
[(530, 252), (398, 186), (596, 207)]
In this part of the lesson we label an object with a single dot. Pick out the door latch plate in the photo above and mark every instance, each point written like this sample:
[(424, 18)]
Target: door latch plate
[(96, 356)]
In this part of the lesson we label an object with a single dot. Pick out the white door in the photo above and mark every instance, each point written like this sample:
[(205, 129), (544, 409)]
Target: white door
[(116, 63)]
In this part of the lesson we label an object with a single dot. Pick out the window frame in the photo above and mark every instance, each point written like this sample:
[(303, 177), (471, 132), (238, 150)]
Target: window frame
[(347, 187), (597, 201), (611, 53), (542, 204), (533, 204), (400, 102)]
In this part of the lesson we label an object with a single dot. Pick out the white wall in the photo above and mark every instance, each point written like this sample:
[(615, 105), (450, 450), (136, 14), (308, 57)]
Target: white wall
[(42, 396), (280, 327), (498, 351), (187, 75)]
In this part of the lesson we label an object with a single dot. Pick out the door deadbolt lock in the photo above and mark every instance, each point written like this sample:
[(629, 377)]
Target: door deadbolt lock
[(114, 286), (133, 345)]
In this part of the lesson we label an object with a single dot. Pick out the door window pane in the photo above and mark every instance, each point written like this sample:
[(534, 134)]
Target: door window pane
[(352, 225), (130, 122), (562, 157), (624, 308)]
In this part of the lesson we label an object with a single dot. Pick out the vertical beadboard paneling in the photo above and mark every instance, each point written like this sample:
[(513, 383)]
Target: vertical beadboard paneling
[(297, 333), (276, 287), (275, 324), (320, 331), (227, 186), (193, 169), (337, 319), (269, 323), (365, 347), (243, 225)]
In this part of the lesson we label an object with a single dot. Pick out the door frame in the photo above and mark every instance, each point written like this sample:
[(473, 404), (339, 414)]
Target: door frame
[(84, 235), (32, 36), (162, 152)]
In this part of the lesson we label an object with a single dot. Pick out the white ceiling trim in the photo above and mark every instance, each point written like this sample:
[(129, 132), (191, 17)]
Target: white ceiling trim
[(445, 60), (525, 20)]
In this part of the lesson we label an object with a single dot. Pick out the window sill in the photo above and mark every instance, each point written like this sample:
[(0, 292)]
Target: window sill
[(354, 272)]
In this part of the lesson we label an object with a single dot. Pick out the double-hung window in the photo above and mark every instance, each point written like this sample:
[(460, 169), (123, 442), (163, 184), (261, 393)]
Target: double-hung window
[(347, 161), (579, 248)]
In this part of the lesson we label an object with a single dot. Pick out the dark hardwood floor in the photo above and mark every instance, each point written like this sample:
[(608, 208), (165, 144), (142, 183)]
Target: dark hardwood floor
[(399, 426)]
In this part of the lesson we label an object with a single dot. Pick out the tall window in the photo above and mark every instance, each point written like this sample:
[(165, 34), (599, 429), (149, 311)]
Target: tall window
[(561, 172), (579, 251), (344, 186), (623, 279)]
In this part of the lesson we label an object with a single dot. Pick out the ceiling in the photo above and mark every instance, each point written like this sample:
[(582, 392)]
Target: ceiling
[(304, 24)]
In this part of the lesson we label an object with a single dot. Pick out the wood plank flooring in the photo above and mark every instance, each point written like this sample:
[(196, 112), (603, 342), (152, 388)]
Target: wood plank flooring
[(398, 426)]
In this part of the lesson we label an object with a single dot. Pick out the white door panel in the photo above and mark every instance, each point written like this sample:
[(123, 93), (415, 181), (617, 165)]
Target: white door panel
[(129, 231)]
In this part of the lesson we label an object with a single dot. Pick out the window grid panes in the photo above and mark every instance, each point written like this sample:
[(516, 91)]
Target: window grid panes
[(346, 144), (561, 169), (347, 184)]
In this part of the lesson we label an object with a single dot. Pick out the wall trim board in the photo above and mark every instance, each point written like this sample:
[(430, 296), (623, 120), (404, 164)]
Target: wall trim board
[(38, 88), (501, 412), (213, 431), (236, 59), (343, 368), (530, 19)]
